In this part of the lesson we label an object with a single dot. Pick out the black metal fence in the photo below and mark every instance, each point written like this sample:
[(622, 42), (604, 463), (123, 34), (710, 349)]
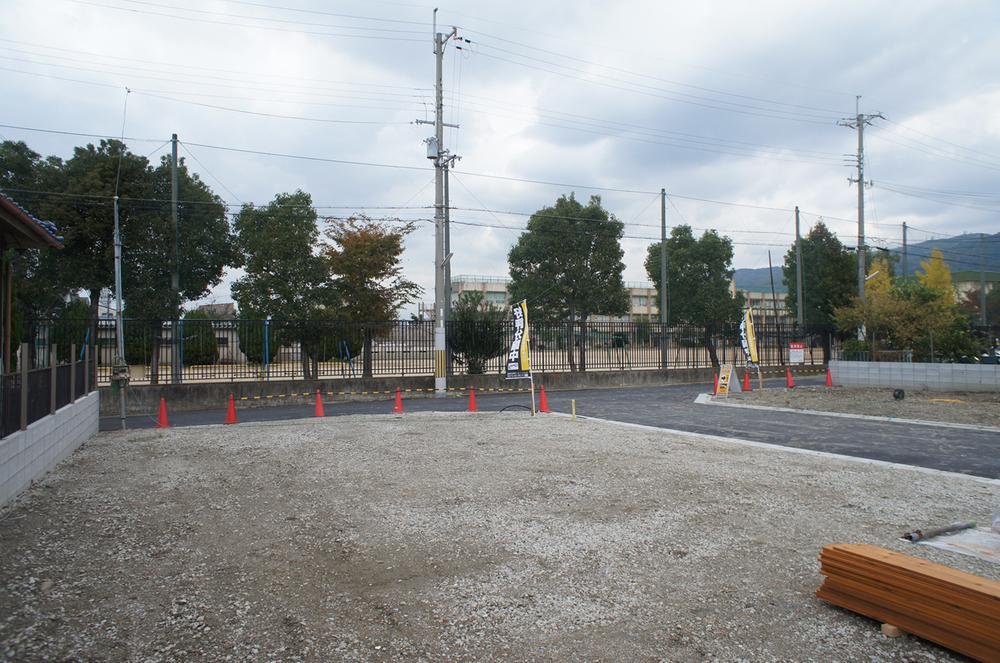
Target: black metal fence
[(29, 394), (202, 350)]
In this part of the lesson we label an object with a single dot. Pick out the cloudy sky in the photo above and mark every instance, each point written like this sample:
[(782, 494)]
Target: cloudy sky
[(732, 107)]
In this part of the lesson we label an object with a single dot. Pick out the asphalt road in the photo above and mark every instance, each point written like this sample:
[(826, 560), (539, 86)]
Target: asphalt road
[(937, 447)]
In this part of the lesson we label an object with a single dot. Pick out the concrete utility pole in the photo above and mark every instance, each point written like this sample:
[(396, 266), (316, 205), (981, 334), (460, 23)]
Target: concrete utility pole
[(175, 277), (906, 255), (982, 279), (801, 318), (121, 367), (441, 157), (663, 279), (858, 122)]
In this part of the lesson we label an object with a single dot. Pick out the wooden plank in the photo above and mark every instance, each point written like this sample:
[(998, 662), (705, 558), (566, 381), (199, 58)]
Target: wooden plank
[(923, 608), (914, 626), (955, 609), (923, 567), (974, 603)]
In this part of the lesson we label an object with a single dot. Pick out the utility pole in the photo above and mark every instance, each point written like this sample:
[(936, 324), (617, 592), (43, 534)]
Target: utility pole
[(858, 122), (441, 157), (982, 279), (801, 318), (906, 255), (447, 261), (665, 356), (774, 306), (121, 367), (175, 277)]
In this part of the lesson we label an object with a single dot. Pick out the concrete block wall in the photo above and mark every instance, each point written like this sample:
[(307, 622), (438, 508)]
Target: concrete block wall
[(29, 454), (937, 377)]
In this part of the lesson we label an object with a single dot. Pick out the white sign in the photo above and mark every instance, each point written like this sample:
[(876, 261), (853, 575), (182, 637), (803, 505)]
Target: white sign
[(796, 352)]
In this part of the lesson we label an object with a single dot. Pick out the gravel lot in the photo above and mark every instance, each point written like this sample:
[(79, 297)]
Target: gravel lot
[(453, 537), (980, 408)]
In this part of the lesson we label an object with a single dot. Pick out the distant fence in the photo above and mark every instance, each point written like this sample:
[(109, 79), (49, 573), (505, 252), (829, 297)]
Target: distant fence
[(248, 350), (29, 394)]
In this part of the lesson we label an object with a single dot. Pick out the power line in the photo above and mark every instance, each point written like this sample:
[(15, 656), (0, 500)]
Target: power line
[(670, 96), (825, 113), (241, 25), (213, 84), (269, 19), (564, 185), (271, 115), (188, 67)]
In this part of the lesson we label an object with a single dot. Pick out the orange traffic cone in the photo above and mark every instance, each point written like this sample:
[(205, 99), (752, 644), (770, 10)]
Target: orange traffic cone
[(162, 421), (231, 412), (715, 389), (398, 407), (746, 380), (472, 399), (543, 402), (789, 380), (319, 405), (829, 378)]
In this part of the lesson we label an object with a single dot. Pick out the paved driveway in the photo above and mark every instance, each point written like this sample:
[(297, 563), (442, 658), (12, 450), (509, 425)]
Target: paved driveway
[(936, 447)]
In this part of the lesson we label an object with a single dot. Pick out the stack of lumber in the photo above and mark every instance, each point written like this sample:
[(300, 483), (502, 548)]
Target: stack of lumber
[(957, 610)]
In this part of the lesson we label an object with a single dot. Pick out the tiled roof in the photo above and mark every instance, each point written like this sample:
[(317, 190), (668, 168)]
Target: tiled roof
[(47, 227)]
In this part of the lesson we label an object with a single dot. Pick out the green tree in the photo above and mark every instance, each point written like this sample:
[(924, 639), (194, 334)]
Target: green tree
[(364, 260), (36, 295), (285, 278), (251, 330), (700, 273), (829, 280), (200, 345), (85, 217), (906, 314), (476, 331), (568, 266), (204, 247), (77, 198), (70, 325)]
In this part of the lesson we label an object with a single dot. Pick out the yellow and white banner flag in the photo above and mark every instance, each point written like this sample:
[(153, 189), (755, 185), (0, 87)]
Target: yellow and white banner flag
[(747, 338), (518, 357)]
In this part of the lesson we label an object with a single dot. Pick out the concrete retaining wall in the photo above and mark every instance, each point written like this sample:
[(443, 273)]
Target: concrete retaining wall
[(941, 377), (145, 399), (29, 454)]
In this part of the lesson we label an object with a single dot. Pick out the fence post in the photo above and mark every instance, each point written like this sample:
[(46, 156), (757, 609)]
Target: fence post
[(53, 364), (23, 360), (86, 369), (72, 372)]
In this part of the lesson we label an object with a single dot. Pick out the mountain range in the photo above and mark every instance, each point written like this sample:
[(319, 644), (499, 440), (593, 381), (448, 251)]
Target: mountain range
[(961, 253)]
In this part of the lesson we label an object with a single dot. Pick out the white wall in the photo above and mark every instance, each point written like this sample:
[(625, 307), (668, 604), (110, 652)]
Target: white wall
[(939, 377), (29, 454)]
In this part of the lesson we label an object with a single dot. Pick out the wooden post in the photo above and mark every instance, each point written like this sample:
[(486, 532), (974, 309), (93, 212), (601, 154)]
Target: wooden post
[(24, 386), (53, 361), (86, 369), (72, 372)]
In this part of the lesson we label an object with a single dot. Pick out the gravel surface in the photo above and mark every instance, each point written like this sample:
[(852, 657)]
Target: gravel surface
[(979, 408), (453, 537)]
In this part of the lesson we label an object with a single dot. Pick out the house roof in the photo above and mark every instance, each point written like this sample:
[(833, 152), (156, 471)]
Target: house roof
[(19, 228)]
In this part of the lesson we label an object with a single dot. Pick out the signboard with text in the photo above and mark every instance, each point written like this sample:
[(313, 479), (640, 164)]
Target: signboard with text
[(796, 352)]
